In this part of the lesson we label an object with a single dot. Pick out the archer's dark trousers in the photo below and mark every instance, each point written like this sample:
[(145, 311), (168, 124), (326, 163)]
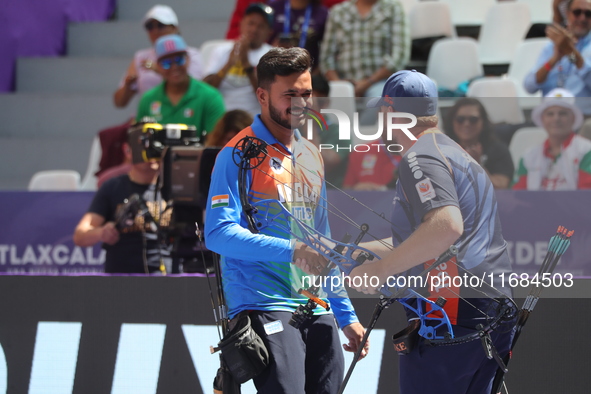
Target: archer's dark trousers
[(308, 360), (454, 369)]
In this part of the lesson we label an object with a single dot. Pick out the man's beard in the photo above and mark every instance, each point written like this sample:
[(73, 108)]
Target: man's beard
[(276, 117)]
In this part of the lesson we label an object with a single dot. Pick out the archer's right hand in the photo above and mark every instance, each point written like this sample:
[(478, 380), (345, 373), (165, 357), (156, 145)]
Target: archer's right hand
[(308, 260)]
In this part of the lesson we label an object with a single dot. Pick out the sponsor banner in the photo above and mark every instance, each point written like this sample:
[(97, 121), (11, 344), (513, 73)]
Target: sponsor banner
[(37, 233), (528, 218)]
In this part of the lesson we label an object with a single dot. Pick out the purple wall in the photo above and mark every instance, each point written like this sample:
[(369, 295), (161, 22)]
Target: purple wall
[(38, 28), (36, 231)]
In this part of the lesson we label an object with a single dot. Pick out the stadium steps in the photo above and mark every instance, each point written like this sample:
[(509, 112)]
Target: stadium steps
[(50, 131), (100, 75), (123, 38), (61, 103), (186, 10)]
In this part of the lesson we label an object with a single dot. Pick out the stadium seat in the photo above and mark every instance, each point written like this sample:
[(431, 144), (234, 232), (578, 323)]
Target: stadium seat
[(452, 61), (468, 12), (430, 19), (505, 26), (499, 97), (89, 181), (55, 180)]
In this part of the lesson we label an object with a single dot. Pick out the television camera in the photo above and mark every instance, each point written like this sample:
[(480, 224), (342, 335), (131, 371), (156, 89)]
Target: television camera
[(185, 175)]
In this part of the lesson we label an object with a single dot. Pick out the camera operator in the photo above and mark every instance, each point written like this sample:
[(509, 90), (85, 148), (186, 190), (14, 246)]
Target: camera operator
[(125, 215)]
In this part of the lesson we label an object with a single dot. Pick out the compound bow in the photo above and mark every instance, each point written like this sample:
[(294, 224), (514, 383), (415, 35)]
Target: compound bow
[(250, 152)]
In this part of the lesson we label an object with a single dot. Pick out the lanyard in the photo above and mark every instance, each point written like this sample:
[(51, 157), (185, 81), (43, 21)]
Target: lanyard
[(307, 16)]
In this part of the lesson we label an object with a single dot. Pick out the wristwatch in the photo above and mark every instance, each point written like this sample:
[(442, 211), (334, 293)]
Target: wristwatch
[(572, 57)]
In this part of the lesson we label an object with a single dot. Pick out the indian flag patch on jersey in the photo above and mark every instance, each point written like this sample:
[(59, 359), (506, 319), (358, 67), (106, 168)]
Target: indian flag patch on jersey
[(220, 201)]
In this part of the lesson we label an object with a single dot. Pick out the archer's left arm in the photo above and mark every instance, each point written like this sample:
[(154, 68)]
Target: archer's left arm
[(441, 221)]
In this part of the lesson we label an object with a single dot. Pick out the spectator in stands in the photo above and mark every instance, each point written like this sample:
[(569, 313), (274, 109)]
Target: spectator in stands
[(563, 161), (566, 61), (241, 5), (180, 98), (233, 32), (335, 160), (299, 23), (132, 246), (467, 123), (231, 67), (143, 74), (227, 127), (365, 42)]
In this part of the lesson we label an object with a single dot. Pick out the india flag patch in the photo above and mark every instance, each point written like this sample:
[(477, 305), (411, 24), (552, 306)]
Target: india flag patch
[(219, 201)]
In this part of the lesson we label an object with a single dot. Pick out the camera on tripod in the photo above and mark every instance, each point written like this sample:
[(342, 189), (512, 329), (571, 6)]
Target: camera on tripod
[(184, 181), (149, 139)]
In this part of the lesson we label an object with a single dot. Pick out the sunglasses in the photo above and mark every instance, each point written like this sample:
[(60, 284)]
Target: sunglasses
[(179, 60), (471, 119), (151, 25), (579, 11)]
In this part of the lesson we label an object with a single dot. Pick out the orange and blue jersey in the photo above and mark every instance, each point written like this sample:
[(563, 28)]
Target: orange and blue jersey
[(257, 273)]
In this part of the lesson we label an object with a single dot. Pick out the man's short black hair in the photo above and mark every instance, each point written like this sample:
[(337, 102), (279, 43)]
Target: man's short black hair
[(282, 62)]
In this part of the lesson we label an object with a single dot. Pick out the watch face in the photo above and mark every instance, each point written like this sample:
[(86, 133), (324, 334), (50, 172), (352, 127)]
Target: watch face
[(572, 57)]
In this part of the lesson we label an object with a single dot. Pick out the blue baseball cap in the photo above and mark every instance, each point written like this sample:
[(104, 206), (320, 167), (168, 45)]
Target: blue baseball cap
[(408, 91), (169, 45)]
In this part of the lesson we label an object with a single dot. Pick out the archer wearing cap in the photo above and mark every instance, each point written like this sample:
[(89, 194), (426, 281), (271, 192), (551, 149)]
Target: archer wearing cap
[(563, 161), (180, 98), (443, 198)]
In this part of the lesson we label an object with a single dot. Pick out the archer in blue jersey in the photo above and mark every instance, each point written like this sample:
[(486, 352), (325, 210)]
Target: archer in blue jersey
[(257, 271)]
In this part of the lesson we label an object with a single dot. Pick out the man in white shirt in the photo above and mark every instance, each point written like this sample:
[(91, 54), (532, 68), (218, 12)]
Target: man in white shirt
[(231, 67)]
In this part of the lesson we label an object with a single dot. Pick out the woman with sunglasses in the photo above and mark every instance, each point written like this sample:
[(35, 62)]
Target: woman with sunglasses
[(467, 123), (142, 73)]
